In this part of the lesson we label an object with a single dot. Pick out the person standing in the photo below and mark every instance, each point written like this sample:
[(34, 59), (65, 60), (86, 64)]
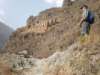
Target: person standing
[(86, 20)]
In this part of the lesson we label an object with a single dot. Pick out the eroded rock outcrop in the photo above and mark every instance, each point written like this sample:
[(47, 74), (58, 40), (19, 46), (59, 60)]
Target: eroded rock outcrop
[(75, 60)]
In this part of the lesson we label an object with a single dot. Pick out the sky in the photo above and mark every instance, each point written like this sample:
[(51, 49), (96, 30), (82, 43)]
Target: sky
[(14, 13)]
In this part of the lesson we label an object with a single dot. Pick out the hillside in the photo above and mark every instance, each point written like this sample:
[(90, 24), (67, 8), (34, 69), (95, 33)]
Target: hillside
[(52, 30), (5, 32), (50, 44)]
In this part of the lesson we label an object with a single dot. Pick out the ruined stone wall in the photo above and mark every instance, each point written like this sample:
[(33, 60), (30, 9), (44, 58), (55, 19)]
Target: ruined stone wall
[(40, 24)]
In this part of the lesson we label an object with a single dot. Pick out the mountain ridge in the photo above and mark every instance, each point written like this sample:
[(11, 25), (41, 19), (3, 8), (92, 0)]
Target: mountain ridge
[(5, 32)]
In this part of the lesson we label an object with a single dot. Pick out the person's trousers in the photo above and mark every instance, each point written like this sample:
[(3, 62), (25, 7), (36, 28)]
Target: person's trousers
[(85, 28)]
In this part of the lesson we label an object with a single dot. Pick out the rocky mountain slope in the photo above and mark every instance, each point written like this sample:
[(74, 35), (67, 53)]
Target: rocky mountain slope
[(5, 32), (52, 30), (54, 36)]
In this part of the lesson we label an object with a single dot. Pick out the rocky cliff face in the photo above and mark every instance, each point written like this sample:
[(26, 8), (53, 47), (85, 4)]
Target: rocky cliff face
[(54, 36)]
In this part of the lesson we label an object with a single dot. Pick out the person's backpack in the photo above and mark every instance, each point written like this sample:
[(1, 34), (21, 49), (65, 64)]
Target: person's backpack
[(90, 17)]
